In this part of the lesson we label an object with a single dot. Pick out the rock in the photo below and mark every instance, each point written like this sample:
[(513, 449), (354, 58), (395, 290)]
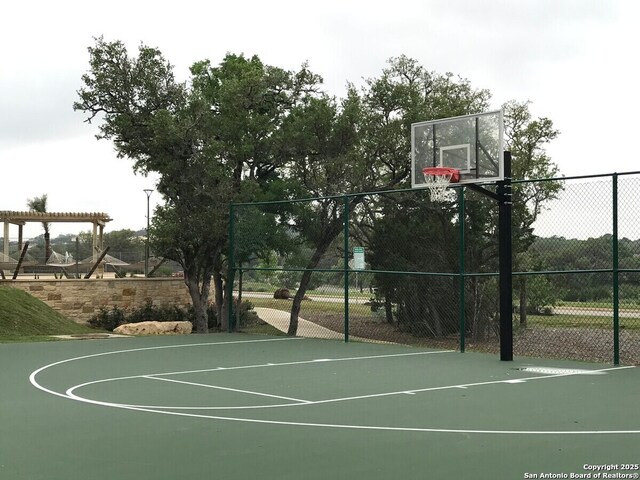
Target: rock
[(154, 328), (282, 293)]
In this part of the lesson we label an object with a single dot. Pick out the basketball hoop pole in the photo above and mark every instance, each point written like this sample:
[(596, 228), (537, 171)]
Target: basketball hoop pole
[(506, 261), (504, 198)]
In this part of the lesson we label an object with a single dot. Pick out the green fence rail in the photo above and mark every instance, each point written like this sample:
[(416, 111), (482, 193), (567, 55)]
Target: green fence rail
[(430, 276)]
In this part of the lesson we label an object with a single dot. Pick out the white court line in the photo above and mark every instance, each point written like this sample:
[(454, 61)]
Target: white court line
[(463, 385), (302, 362), (114, 352), (250, 392), (71, 392), (69, 395), (382, 427)]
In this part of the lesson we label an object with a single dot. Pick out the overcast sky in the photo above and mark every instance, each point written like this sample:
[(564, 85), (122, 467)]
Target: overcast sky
[(575, 60)]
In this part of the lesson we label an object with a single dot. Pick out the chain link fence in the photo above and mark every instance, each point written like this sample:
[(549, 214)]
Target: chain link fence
[(426, 274)]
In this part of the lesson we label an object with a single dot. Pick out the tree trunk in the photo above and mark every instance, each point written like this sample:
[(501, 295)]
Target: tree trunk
[(199, 299), (239, 303), (479, 320), (434, 315), (388, 310), (304, 284), (523, 302), (297, 303), (47, 246), (219, 298)]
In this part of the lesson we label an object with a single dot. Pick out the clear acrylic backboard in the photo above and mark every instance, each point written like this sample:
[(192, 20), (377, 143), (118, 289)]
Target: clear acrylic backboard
[(472, 144)]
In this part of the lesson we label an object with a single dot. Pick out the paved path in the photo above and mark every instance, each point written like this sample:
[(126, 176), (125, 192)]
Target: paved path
[(596, 311), (280, 320)]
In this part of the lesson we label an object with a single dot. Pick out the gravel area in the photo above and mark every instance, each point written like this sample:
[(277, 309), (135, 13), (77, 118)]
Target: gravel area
[(588, 344)]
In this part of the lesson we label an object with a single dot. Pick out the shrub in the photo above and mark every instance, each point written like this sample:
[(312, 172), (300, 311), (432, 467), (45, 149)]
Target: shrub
[(110, 319), (212, 316), (247, 316), (107, 319), (154, 313)]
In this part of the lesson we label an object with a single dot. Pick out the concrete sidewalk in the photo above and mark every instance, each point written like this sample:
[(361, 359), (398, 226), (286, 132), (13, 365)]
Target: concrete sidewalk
[(280, 320)]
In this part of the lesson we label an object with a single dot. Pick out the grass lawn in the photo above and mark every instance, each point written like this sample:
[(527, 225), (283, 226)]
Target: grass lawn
[(628, 305), (577, 320), (558, 320), (307, 305), (25, 318)]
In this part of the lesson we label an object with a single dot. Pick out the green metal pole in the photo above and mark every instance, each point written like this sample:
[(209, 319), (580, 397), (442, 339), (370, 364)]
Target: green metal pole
[(231, 268), (346, 269), (462, 267), (616, 303)]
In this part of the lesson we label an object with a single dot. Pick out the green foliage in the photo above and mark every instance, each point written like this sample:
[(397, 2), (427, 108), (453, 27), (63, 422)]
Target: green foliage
[(212, 141), (541, 293), (630, 293), (39, 205), (109, 319), (562, 254), (423, 305), (589, 293), (247, 317), (243, 131)]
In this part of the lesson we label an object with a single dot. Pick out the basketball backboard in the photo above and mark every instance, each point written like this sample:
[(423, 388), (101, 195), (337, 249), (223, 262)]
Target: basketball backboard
[(472, 144)]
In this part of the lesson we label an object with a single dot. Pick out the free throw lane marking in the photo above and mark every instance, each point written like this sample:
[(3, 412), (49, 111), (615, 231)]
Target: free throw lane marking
[(217, 387)]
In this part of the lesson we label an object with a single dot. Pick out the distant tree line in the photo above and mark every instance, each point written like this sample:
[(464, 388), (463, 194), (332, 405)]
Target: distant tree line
[(561, 254)]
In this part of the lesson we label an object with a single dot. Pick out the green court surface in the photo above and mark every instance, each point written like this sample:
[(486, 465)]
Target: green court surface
[(234, 406)]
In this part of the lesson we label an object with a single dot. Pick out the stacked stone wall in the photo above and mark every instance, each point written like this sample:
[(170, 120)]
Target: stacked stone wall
[(79, 300)]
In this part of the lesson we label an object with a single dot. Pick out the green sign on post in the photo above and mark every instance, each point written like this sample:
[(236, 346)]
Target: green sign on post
[(358, 258)]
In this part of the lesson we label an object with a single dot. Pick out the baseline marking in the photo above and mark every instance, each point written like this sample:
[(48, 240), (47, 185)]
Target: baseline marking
[(69, 395)]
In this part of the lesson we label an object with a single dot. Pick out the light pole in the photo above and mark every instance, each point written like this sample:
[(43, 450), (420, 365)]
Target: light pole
[(148, 191)]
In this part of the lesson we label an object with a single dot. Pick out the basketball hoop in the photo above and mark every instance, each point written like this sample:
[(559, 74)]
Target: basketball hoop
[(437, 180)]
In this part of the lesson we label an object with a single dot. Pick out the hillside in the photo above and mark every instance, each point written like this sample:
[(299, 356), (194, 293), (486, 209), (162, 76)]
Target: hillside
[(23, 317)]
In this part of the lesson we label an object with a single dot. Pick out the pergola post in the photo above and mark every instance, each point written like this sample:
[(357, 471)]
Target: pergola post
[(94, 242), (5, 248)]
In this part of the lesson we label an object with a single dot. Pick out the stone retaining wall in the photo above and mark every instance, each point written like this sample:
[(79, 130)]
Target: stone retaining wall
[(79, 300)]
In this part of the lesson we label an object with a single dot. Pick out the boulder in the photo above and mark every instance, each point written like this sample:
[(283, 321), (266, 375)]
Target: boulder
[(282, 293), (154, 328)]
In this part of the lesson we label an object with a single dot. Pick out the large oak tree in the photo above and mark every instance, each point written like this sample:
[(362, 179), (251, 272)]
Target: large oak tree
[(212, 140)]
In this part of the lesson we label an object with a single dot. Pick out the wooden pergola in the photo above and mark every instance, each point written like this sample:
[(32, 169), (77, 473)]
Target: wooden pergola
[(98, 220)]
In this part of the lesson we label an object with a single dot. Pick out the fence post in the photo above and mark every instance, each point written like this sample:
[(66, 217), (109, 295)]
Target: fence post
[(616, 302), (461, 312), (231, 268), (346, 268)]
